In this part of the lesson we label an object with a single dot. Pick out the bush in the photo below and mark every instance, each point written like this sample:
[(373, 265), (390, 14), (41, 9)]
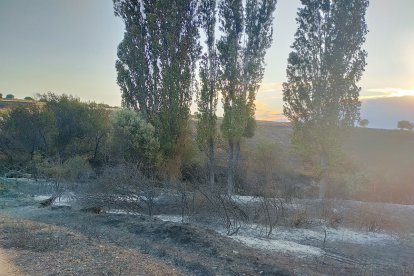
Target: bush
[(75, 169), (184, 155), (9, 96), (133, 139), (25, 130)]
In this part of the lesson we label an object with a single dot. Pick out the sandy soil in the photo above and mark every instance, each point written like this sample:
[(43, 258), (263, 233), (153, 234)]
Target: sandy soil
[(7, 268)]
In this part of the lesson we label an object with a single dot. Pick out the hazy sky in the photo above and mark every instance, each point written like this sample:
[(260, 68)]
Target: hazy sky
[(69, 46)]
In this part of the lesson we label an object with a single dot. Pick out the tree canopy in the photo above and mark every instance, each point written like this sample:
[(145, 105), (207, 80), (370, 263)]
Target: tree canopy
[(321, 94), (405, 125), (247, 34), (157, 61)]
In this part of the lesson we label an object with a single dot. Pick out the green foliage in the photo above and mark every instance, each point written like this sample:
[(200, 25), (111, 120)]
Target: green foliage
[(1, 96), (57, 126), (80, 127), (207, 97), (74, 169), (250, 128), (28, 98), (247, 35), (133, 138), (9, 96), (405, 125), (156, 63), (321, 93), (184, 154), (70, 114), (25, 130)]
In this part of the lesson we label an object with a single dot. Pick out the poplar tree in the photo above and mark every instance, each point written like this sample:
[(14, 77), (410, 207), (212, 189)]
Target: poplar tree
[(208, 93), (137, 69), (321, 94), (247, 34), (156, 63)]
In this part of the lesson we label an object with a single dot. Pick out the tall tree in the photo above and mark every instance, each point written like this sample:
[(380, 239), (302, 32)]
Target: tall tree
[(157, 61), (136, 65), (321, 93), (247, 34), (208, 94)]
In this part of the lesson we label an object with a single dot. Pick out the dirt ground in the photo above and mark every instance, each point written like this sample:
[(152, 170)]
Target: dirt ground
[(6, 266)]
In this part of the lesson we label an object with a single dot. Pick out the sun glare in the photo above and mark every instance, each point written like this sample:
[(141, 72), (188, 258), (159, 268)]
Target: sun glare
[(403, 92)]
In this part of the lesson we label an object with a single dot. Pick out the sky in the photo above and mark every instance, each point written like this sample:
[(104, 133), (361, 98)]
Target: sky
[(69, 46)]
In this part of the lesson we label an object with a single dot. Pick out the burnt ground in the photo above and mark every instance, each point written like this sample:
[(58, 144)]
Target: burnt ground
[(62, 241), (173, 247), (189, 249)]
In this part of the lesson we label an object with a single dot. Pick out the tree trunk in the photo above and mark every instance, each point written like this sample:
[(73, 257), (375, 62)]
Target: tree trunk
[(211, 163), (236, 153), (234, 150), (96, 148), (231, 169), (323, 183)]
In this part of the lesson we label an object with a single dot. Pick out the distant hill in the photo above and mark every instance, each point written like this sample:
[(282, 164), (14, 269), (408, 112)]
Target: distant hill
[(385, 157), (7, 104), (386, 112)]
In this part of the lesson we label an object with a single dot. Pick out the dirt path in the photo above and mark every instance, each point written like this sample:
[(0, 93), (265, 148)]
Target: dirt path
[(7, 268)]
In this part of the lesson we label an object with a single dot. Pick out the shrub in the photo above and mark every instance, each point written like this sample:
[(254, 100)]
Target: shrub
[(133, 139), (75, 169)]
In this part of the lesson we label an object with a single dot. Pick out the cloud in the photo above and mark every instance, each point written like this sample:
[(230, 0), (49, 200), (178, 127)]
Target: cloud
[(270, 87), (266, 113), (389, 92)]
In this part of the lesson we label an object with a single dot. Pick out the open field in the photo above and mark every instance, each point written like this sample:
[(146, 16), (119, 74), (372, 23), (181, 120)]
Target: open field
[(8, 104)]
